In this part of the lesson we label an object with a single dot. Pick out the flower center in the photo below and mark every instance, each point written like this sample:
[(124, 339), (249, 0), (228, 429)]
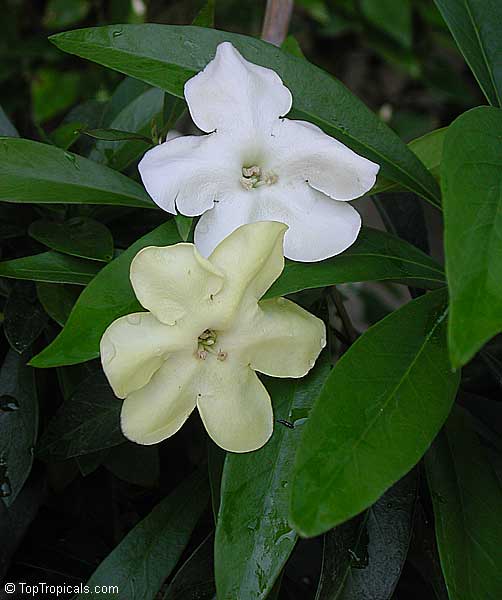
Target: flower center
[(253, 177), (206, 345)]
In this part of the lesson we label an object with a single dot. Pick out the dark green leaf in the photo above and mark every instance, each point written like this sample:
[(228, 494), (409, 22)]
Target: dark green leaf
[(108, 297), (18, 424), (184, 225), (195, 579), (134, 463), (378, 412), (51, 267), (24, 317), (58, 300), (375, 256), (62, 13), (87, 422), (79, 236), (66, 134), (363, 558), (205, 16), (115, 135), (215, 463), (88, 463), (471, 175), (39, 173), (166, 56), (467, 498), (391, 16), (253, 536), (147, 555), (475, 25)]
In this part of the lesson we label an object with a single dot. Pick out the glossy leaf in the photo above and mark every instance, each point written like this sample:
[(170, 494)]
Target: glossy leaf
[(79, 236), (51, 267), (475, 25), (24, 317), (87, 422), (375, 256), (147, 555), (253, 536), (18, 424), (472, 190), (106, 298), (379, 410), (39, 173), (467, 497), (114, 135), (58, 300), (363, 558), (166, 56)]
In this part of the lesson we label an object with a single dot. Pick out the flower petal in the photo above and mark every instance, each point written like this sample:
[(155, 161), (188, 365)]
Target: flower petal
[(252, 259), (189, 173), (235, 407), (175, 281), (277, 338), (231, 94), (157, 410), (303, 152), (319, 227), (134, 347)]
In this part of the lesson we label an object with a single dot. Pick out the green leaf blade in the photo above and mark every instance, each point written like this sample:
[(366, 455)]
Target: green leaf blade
[(472, 190), (369, 418)]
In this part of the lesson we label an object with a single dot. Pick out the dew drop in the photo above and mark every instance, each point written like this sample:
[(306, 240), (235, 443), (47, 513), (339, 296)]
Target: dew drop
[(5, 488), (117, 32), (133, 319), (72, 159), (108, 352), (8, 403)]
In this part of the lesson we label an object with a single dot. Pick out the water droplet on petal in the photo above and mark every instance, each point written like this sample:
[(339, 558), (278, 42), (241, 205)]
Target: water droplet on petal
[(323, 342), (108, 352), (133, 319)]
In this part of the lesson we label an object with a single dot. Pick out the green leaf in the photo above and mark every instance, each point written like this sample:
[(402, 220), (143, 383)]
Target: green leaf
[(79, 236), (87, 422), (39, 173), (133, 109), (471, 176), (6, 127), (57, 300), (375, 256), (18, 424), (379, 410), (66, 134), (475, 25), (205, 16), (363, 558), (24, 317), (184, 225), (391, 16), (166, 56), (253, 536), (114, 135), (62, 13), (467, 497), (108, 297), (147, 555), (53, 91), (51, 267), (134, 463), (429, 149)]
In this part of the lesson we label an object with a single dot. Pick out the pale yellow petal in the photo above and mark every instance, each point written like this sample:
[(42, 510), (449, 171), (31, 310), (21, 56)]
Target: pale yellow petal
[(251, 258), (135, 346), (159, 409), (234, 406), (277, 338), (175, 282)]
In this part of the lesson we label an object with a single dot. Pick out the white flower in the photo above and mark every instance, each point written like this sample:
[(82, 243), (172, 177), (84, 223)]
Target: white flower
[(256, 166), (204, 337)]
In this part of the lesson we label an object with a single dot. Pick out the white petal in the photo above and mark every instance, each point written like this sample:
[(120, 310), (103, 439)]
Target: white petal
[(252, 258), (134, 347), (158, 410), (319, 227), (189, 173), (174, 282), (303, 152), (235, 407), (277, 338), (232, 93)]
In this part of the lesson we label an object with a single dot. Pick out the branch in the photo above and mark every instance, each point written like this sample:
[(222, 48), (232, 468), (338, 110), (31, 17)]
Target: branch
[(276, 21)]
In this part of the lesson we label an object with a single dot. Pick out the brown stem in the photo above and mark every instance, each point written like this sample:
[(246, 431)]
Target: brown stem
[(276, 21)]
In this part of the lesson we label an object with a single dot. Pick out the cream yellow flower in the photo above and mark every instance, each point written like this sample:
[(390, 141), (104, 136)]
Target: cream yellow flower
[(204, 336)]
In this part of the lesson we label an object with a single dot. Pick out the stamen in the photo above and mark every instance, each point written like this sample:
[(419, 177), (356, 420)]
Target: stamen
[(252, 177)]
